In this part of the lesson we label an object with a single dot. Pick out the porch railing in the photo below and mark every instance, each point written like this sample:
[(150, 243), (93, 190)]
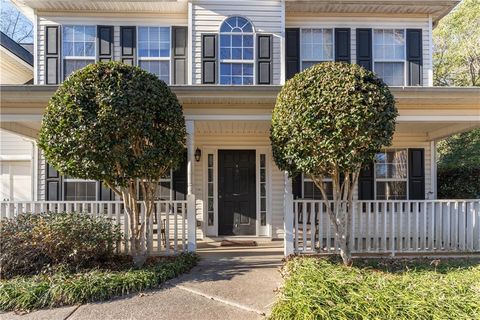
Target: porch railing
[(426, 226), (166, 231)]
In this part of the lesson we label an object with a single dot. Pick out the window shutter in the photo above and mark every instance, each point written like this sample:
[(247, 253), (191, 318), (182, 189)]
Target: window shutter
[(52, 184), (364, 48), (179, 180), (297, 186), (128, 45), (209, 58), (414, 57), (105, 43), (292, 52), (52, 54), (342, 45), (264, 59), (416, 174), (180, 54), (366, 183)]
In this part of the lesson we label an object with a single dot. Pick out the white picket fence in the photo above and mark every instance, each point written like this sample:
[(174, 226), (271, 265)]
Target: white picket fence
[(393, 227), (166, 231)]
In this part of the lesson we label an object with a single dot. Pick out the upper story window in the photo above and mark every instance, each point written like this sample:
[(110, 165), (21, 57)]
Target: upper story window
[(154, 51), (78, 47), (317, 46), (236, 52), (389, 55)]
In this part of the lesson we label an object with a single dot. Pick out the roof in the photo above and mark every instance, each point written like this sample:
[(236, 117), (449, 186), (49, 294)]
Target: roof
[(15, 48)]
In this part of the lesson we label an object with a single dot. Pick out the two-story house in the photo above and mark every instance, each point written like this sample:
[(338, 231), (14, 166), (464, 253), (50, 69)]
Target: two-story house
[(226, 61)]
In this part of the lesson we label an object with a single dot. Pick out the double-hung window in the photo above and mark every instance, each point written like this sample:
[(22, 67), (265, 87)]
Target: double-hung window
[(80, 190), (78, 47), (389, 55), (236, 52), (311, 191), (391, 175), (317, 46), (154, 51)]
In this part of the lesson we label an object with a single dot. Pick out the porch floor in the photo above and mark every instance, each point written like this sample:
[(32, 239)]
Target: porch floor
[(228, 283)]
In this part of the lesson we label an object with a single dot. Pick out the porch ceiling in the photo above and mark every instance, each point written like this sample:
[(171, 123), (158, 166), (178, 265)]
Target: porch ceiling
[(232, 127)]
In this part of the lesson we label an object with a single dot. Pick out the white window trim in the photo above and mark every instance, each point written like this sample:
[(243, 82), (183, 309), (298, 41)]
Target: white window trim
[(64, 57), (169, 58), (375, 179), (253, 61), (302, 60), (404, 60)]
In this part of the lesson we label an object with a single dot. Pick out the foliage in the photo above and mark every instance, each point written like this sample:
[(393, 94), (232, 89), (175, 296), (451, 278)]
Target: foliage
[(321, 289), (43, 291), (459, 183), (456, 51), (32, 243), (328, 121), (14, 24), (460, 150), (119, 124)]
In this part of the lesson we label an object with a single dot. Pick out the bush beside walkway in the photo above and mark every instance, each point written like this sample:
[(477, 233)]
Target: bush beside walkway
[(318, 288)]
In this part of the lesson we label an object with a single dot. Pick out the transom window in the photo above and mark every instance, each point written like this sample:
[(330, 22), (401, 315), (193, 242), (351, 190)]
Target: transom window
[(236, 52), (389, 55), (391, 175), (154, 51), (78, 47), (317, 46)]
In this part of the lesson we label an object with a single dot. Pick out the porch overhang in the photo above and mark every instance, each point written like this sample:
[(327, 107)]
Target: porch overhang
[(428, 112)]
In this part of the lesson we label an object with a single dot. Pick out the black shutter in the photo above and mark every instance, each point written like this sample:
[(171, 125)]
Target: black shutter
[(416, 174), (105, 43), (264, 59), (342, 45), (292, 52), (128, 45), (209, 58), (414, 57), (52, 54), (366, 183), (297, 186), (179, 52), (364, 48), (179, 180), (53, 186)]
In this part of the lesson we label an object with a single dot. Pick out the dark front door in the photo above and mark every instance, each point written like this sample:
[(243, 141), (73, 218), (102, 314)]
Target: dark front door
[(236, 192)]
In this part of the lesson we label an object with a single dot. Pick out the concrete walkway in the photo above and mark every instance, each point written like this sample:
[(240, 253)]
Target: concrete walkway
[(228, 283)]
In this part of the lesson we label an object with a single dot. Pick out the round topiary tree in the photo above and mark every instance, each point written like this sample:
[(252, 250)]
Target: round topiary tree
[(328, 122), (118, 124)]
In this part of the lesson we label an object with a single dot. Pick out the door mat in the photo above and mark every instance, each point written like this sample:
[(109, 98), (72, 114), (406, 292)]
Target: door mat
[(238, 243)]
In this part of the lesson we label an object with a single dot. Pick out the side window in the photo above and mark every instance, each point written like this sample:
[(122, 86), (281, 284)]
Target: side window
[(79, 47)]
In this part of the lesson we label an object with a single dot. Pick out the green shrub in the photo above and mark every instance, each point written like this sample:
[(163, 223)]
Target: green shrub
[(63, 288), (32, 243), (459, 183)]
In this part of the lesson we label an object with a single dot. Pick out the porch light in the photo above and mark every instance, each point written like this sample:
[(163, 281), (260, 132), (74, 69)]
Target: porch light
[(198, 154)]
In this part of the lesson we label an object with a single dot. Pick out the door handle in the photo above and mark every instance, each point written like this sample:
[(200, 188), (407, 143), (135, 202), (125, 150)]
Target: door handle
[(235, 194), (219, 196)]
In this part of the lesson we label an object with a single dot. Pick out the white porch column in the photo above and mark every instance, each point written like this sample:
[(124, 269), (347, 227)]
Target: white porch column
[(433, 168), (191, 216), (288, 216)]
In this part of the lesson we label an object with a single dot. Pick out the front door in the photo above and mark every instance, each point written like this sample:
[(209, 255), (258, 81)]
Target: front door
[(236, 192)]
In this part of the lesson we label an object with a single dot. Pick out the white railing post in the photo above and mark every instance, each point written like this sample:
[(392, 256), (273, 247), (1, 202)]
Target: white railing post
[(191, 216), (288, 216)]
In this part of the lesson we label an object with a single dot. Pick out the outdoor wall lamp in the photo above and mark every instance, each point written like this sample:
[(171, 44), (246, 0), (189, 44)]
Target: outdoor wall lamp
[(198, 154)]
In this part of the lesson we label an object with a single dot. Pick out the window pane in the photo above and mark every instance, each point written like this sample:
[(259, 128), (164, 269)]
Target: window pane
[(236, 73), (391, 190), (72, 65), (317, 45), (392, 73), (80, 191)]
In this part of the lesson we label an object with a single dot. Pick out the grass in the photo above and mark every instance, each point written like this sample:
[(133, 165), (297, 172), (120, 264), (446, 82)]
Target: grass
[(324, 289), (64, 288)]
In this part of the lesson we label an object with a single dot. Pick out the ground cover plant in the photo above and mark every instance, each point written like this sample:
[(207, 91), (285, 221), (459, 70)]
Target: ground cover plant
[(318, 288), (27, 293)]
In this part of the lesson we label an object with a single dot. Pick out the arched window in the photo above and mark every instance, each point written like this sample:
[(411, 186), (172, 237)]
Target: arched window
[(236, 51)]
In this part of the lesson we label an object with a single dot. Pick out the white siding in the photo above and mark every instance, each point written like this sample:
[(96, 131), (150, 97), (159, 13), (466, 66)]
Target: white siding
[(266, 17), (370, 22), (13, 145)]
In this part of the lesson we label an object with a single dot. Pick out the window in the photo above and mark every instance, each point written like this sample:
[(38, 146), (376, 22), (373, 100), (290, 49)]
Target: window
[(154, 51), (317, 46), (79, 190), (164, 191), (391, 175), (236, 52), (389, 55), (210, 192), (311, 191), (78, 47), (263, 189)]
